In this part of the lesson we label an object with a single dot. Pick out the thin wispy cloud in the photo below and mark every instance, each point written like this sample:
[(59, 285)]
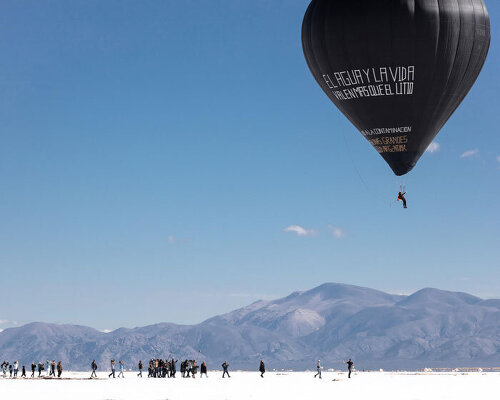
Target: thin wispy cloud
[(433, 147), (8, 322), (173, 239), (107, 330), (337, 232), (498, 158), (469, 153), (401, 292), (300, 231)]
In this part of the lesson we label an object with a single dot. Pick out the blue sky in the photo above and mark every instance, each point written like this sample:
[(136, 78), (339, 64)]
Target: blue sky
[(152, 155)]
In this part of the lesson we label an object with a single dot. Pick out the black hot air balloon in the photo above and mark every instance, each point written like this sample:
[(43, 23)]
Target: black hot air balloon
[(397, 69)]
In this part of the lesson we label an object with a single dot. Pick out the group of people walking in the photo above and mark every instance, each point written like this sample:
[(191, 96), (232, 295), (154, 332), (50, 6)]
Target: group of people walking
[(12, 369), (157, 368), (113, 369), (49, 366)]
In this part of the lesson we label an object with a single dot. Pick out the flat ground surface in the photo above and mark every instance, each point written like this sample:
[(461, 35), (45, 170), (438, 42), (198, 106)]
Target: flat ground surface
[(249, 385)]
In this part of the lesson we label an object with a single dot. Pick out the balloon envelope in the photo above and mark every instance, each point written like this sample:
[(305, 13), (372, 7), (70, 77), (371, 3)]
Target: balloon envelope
[(397, 69)]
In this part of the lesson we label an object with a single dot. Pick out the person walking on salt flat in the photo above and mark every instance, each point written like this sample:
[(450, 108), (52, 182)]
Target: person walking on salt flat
[(94, 368), (318, 368), (225, 366), (349, 366), (262, 368), (113, 364), (203, 369), (173, 368), (122, 366)]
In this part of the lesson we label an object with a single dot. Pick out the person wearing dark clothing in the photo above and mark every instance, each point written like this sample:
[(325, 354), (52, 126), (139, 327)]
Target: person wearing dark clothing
[(318, 368), (113, 364), (23, 374), (160, 368), (140, 368), (194, 368), (4, 367), (165, 369), (225, 366), (94, 368), (203, 369), (349, 366), (401, 197), (40, 369), (10, 370), (33, 369), (53, 368), (173, 368), (262, 368), (59, 369)]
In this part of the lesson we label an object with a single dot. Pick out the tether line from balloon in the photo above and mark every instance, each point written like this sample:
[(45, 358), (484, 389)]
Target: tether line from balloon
[(374, 195)]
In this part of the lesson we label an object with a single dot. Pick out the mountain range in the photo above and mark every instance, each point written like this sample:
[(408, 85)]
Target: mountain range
[(332, 322)]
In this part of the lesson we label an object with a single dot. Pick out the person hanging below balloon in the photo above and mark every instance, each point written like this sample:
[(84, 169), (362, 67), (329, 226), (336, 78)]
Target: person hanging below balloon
[(401, 197)]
